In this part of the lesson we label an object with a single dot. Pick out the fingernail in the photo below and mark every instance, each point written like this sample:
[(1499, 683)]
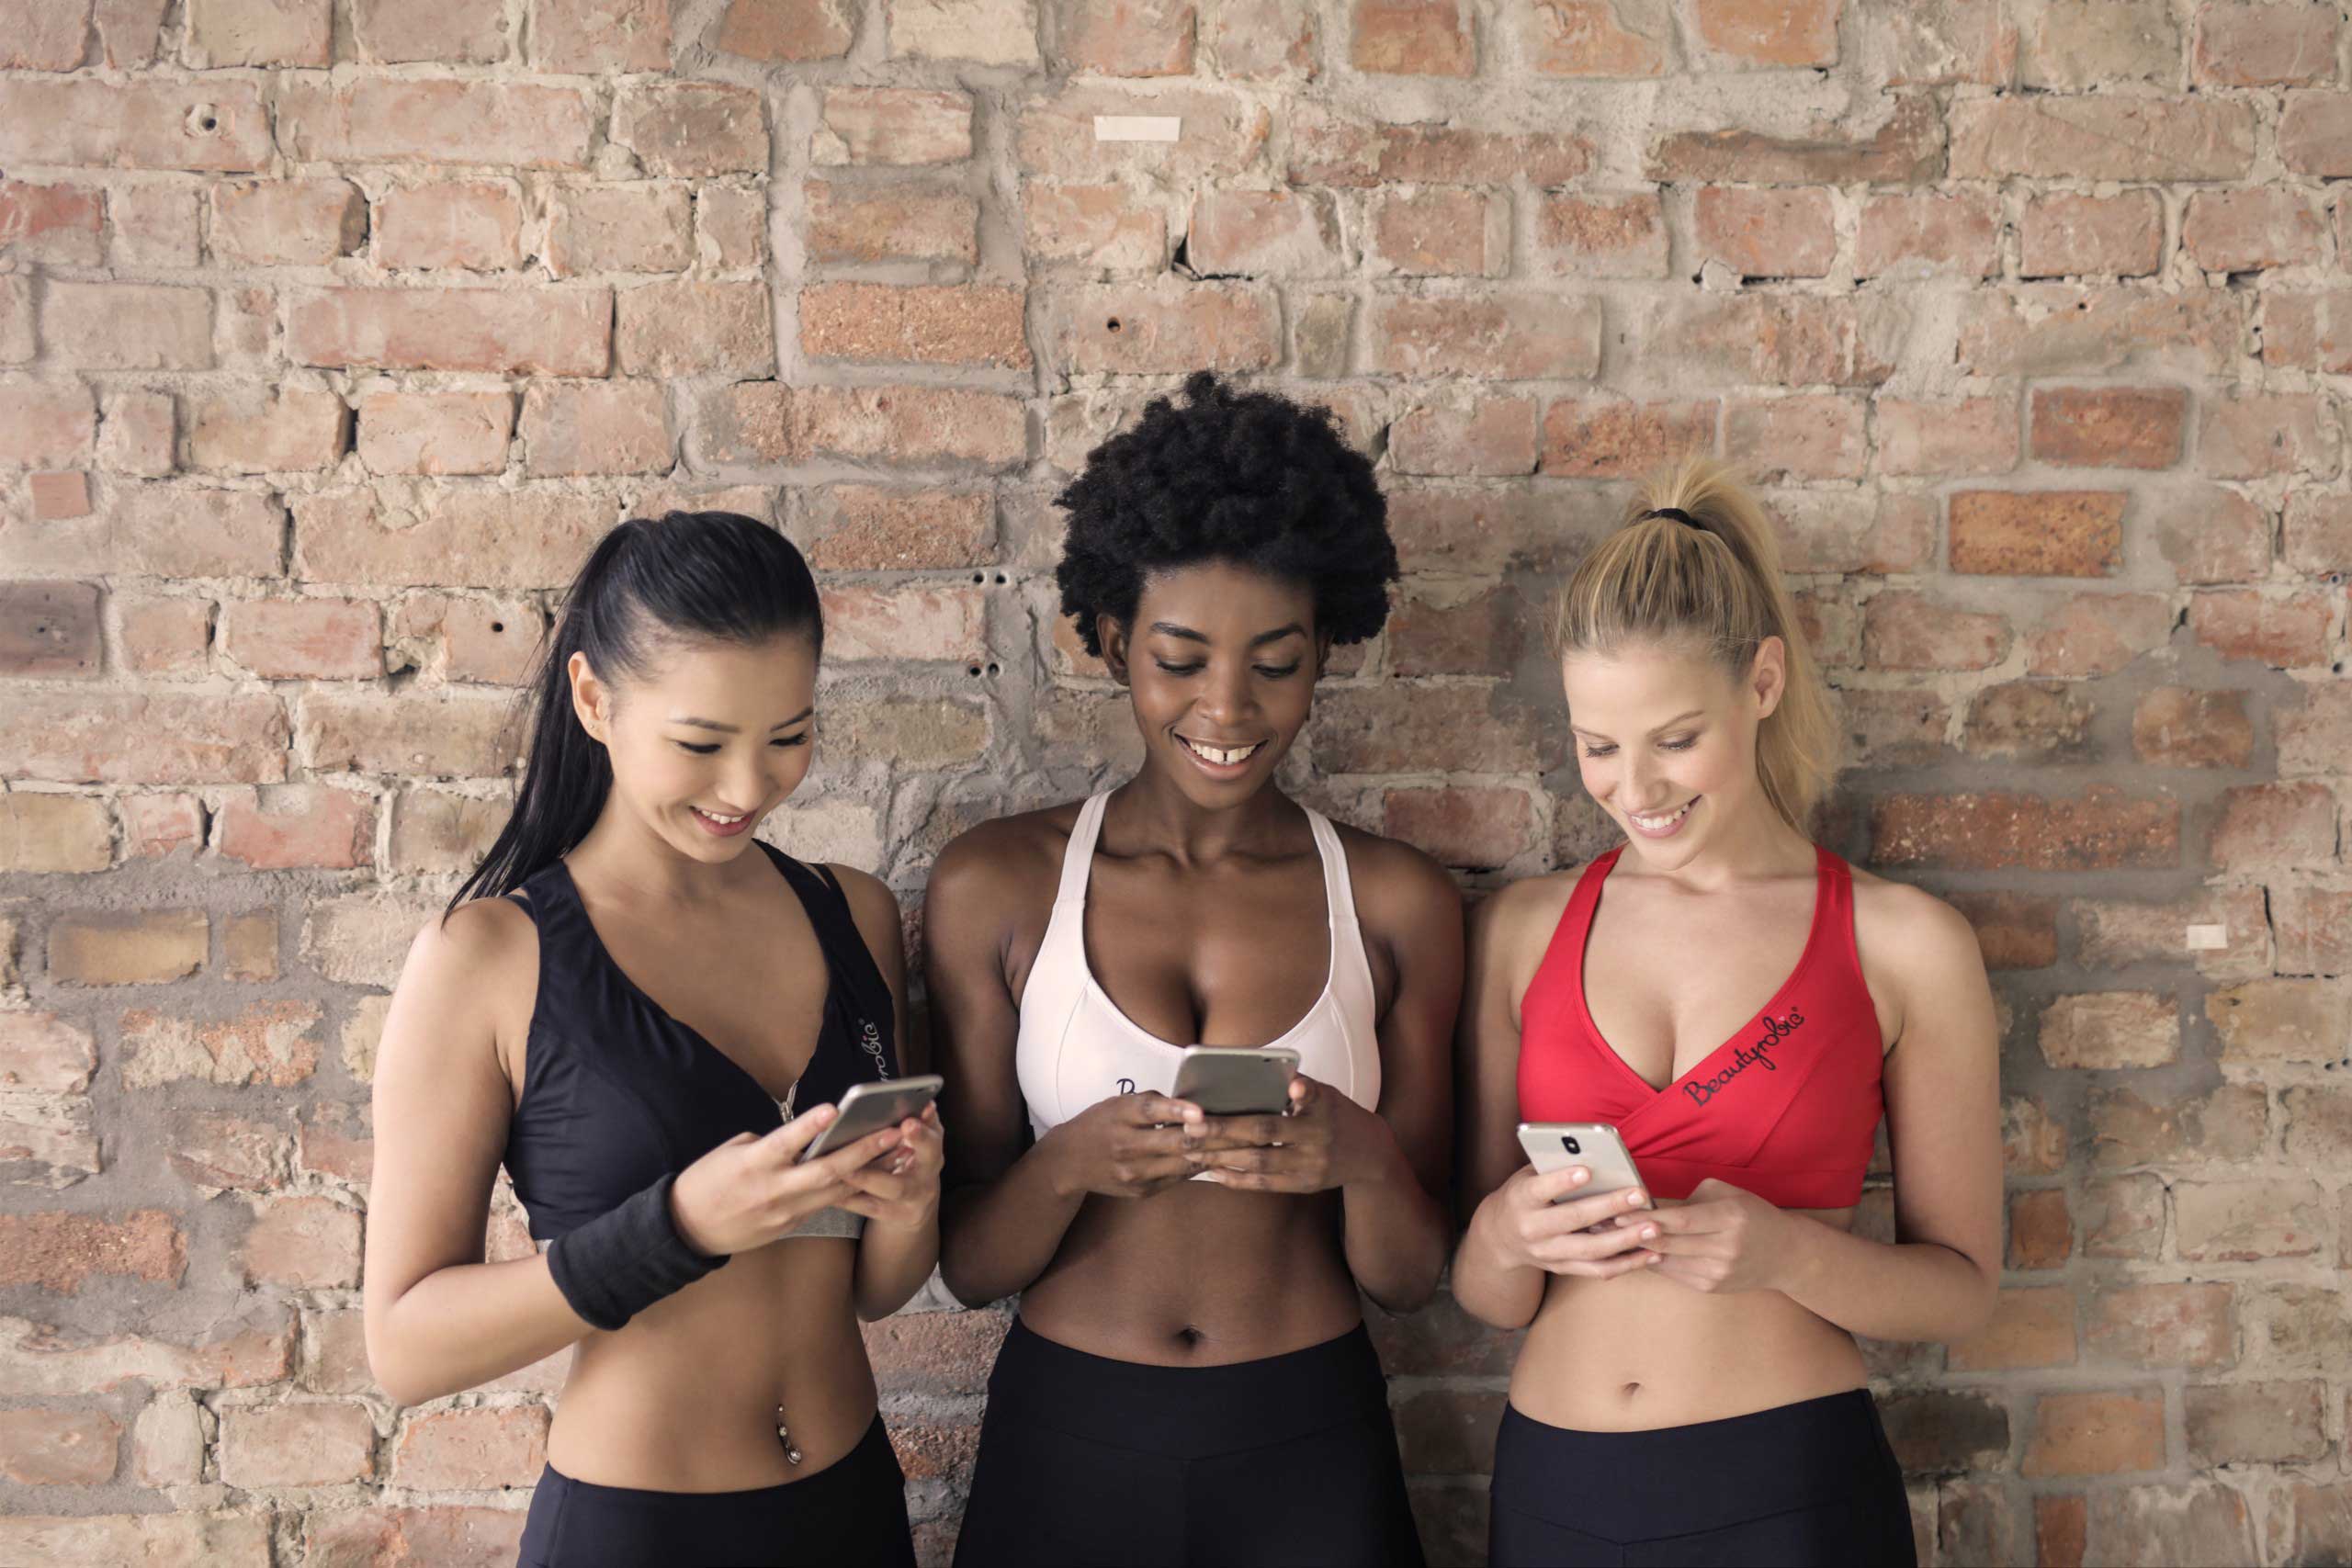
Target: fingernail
[(1648, 1231), (1633, 1198), (1578, 1177)]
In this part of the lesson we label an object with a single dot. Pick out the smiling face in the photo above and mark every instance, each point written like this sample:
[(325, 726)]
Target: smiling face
[(1666, 742), (1221, 664), (707, 741)]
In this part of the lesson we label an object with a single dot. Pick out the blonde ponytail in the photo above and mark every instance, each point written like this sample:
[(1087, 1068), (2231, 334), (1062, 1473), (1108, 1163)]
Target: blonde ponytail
[(1712, 583)]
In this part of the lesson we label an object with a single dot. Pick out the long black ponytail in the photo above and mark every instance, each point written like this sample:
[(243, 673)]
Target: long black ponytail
[(716, 576)]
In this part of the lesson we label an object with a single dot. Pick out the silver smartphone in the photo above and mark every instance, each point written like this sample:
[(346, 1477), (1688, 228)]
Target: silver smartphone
[(1596, 1145), (1236, 1080), (870, 1107)]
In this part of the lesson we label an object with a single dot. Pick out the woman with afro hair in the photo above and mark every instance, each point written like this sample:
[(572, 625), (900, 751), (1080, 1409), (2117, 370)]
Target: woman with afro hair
[(1190, 1380)]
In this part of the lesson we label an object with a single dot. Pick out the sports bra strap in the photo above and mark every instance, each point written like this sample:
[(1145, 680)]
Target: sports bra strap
[(1339, 892), (1078, 857)]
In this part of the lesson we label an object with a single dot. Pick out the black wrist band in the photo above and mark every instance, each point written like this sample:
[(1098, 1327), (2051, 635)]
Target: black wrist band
[(620, 1263)]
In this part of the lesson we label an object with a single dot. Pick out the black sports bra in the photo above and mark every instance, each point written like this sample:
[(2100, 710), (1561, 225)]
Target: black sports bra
[(617, 1093)]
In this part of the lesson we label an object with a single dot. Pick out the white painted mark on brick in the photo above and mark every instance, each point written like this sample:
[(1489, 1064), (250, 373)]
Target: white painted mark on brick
[(1136, 127), (2208, 939)]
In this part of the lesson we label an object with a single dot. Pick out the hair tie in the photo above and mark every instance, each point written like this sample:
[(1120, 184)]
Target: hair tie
[(1677, 515)]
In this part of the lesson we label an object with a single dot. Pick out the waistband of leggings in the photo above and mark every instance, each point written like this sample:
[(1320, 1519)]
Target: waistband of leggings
[(1187, 1412), (1667, 1480), (752, 1503)]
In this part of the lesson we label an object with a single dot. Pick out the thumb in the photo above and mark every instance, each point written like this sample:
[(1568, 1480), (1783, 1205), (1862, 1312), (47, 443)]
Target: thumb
[(801, 1131)]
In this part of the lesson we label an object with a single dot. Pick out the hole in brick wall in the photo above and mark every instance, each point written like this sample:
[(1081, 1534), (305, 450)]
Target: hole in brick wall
[(980, 577), (972, 670), (1113, 324), (498, 626), (992, 669), (1002, 579)]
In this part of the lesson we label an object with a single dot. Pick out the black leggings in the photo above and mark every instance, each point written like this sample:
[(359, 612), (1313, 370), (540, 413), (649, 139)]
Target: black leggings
[(1288, 1460), (851, 1512), (1799, 1484)]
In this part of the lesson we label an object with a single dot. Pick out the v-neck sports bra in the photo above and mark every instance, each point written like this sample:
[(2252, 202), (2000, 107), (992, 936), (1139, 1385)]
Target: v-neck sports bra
[(1788, 1108), (1075, 1047), (617, 1093)]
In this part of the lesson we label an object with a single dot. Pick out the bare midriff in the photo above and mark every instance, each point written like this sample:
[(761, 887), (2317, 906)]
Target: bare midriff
[(684, 1397), (1196, 1276), (1641, 1351)]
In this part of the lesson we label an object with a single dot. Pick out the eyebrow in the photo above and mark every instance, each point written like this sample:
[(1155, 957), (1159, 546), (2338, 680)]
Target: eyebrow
[(1169, 628), (733, 729), (1669, 723)]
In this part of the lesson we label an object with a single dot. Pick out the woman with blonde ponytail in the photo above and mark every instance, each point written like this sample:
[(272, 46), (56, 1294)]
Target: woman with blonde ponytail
[(1682, 1252)]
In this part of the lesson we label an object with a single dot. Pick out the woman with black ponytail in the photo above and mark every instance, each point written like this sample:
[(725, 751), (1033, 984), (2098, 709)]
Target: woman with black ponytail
[(646, 1015)]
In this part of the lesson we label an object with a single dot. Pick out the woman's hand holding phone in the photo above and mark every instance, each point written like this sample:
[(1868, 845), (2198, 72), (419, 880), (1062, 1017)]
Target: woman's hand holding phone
[(752, 1188), (1719, 1240), (1306, 1149), (1129, 1145), (899, 1190), (1533, 1220)]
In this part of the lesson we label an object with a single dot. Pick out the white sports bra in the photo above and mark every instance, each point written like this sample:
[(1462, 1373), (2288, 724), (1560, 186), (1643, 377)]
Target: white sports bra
[(1075, 1047)]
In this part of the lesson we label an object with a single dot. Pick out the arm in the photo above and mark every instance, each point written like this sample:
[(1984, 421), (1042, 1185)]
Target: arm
[(1006, 1207), (1937, 1280), (1388, 1165), (899, 1198), (439, 1319), (1517, 1232)]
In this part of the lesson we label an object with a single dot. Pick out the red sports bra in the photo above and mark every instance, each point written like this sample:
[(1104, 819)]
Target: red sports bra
[(1787, 1108)]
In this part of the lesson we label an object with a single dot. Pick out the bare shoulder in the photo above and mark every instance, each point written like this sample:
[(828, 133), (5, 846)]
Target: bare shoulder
[(1524, 910), (483, 940), (1908, 927), (871, 904), (471, 979), (1394, 884), (1003, 856)]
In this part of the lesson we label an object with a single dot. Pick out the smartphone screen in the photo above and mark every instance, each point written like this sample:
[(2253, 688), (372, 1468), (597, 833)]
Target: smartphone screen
[(870, 1107)]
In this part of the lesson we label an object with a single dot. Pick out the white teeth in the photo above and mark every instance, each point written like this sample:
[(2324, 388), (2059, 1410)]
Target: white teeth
[(1654, 823), (722, 821), (1222, 755)]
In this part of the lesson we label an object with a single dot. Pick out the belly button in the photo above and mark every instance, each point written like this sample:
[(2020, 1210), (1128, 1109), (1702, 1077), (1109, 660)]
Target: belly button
[(1189, 1335), (791, 1452), (1630, 1390)]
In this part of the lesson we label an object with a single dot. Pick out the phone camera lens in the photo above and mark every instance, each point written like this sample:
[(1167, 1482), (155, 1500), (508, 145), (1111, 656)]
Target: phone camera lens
[(1572, 1145)]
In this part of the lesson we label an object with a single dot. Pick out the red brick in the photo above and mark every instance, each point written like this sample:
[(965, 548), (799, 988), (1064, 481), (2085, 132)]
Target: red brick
[(58, 1447), (1167, 328), (2037, 532), (2166, 1325), (1495, 437), (2318, 532), (300, 826), (1771, 32), (434, 432), (2096, 1434), (1766, 233), (2175, 726), (2042, 1232), (2028, 721), (783, 30), (123, 326), (1150, 38), (2314, 730), (1595, 39), (1906, 149), (2257, 1423), (1259, 42), (138, 433), (2116, 427), (612, 427), (39, 1051), (214, 125), (1622, 440), (619, 228), (438, 830), (1329, 149), (732, 227), (1768, 340), (2013, 930), (1101, 226), (2110, 1030), (2238, 1222), (918, 325), (865, 528), (2274, 827), (864, 622), (157, 825), (893, 125), (2083, 44), (2256, 435), (1412, 38), (690, 326), (2246, 231), (763, 422), (1901, 630), (1941, 1430), (2308, 331), (1600, 235), (296, 1445), (451, 734), (1441, 632), (70, 737), (2029, 1327), (300, 639), (2315, 134), (1975, 435), (258, 32), (1927, 235), (862, 223), (2213, 533), (549, 331), (61, 223), (1837, 531), (2120, 933), (2314, 929), (2286, 631), (294, 222), (2066, 233), (1441, 231), (475, 224), (240, 432), (301, 1243), (2102, 137), (1807, 435), (2058, 328), (692, 127), (2033, 1143), (1464, 825), (2123, 1218), (44, 36), (468, 1449), (400, 32), (2264, 45), (58, 1252), (593, 36), (407, 119), (2100, 828), (46, 424), (1264, 234), (2227, 1125), (1505, 336)]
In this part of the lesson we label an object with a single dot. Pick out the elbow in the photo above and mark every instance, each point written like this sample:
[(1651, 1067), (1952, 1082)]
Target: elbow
[(970, 1288), (399, 1379), (1973, 1310)]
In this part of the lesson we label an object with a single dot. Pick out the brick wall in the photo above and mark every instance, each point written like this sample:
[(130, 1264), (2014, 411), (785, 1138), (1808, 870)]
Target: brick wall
[(332, 330)]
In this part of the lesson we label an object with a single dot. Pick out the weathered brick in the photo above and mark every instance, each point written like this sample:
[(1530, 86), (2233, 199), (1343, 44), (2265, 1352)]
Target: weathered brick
[(1502, 335), (2283, 1020), (890, 223), (1769, 340), (552, 331), (1806, 435), (54, 833), (1824, 531), (95, 738), (492, 1446), (300, 826), (614, 427), (2242, 45), (2286, 631), (1411, 38), (1382, 730), (1596, 39), (2066, 234), (296, 1445), (1328, 147), (2274, 827), (1904, 630), (294, 222), (2166, 1325), (1099, 226), (2096, 1434), (2247, 231), (138, 434), (387, 120), (1906, 148), (241, 431), (299, 1243), (865, 528), (124, 326), (911, 623), (1975, 435), (782, 31), (966, 325), (434, 432), (1166, 328), (2118, 933), (592, 35), (298, 639), (1264, 234), (2028, 721), (2236, 1222), (2317, 535), (2313, 730), (2037, 532), (2176, 727), (61, 223), (2213, 533), (159, 824), (1929, 234), (41, 1051), (474, 224), (1939, 1430), (2100, 828), (2030, 1327), (449, 733), (892, 124), (2227, 1124), (258, 32), (1494, 437), (2110, 1029), (49, 631), (689, 327), (465, 538), (2103, 138), (401, 31), (1586, 234), (2314, 929), (1766, 233), (2315, 134), (2041, 1232), (1265, 41), (2108, 427), (2058, 328), (438, 830), (94, 948), (692, 127), (1439, 231), (214, 125), (2253, 436), (60, 1252), (1624, 440), (619, 228), (762, 421)]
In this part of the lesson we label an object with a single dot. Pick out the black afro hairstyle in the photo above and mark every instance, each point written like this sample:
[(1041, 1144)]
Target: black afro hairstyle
[(1248, 478)]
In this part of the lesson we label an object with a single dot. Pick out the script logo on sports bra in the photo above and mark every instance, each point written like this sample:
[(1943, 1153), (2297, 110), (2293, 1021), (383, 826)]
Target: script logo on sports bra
[(1743, 1058), (1126, 1086)]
